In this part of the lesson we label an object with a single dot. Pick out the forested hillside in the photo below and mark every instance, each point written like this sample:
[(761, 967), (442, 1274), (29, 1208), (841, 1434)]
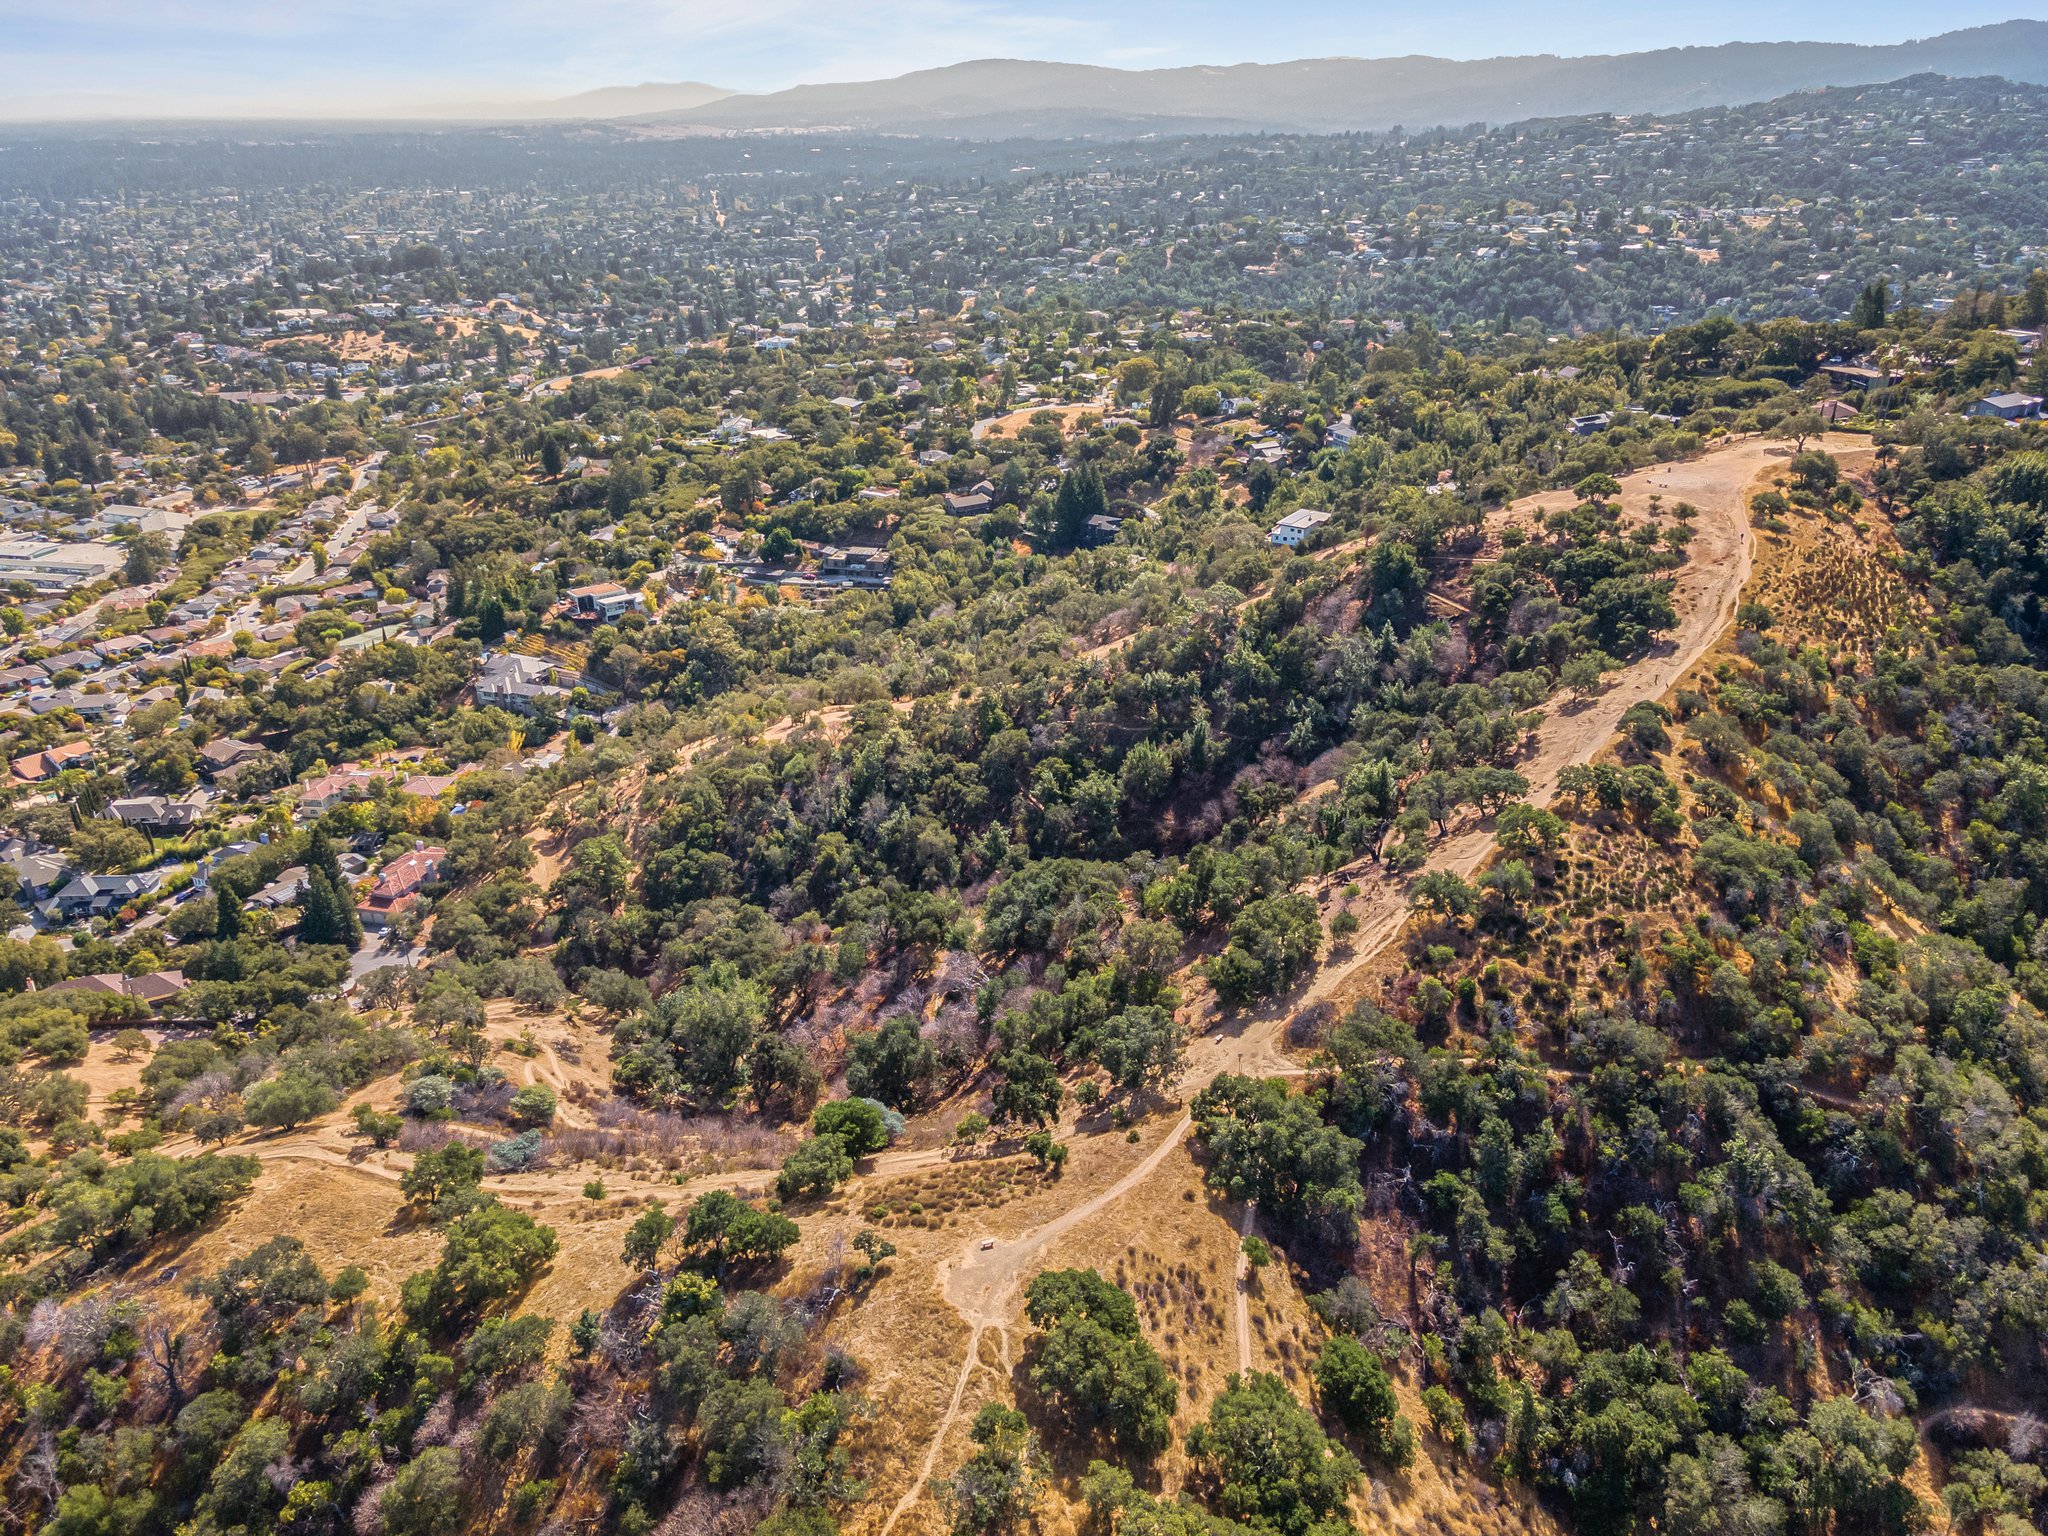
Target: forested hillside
[(1035, 918)]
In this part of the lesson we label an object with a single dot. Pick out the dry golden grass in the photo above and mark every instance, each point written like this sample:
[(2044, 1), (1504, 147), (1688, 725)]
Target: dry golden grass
[(1016, 421), (937, 1198), (1166, 1240), (343, 1216)]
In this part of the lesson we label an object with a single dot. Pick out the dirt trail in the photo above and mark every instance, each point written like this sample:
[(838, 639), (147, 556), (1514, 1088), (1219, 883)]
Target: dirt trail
[(1705, 594), (982, 1286), (550, 1187), (1244, 1289), (983, 1283)]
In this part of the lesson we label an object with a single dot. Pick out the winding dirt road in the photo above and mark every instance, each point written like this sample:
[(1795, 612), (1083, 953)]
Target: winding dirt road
[(983, 1283), (982, 1286)]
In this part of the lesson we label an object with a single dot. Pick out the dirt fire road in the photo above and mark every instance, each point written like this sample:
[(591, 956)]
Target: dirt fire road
[(983, 1284)]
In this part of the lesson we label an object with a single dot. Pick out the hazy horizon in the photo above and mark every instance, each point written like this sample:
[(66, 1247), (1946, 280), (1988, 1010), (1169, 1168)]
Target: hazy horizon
[(113, 59)]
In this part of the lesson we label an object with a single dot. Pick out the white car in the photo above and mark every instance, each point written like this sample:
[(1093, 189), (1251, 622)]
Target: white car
[(987, 1243)]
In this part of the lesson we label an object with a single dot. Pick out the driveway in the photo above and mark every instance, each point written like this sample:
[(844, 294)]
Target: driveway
[(380, 952)]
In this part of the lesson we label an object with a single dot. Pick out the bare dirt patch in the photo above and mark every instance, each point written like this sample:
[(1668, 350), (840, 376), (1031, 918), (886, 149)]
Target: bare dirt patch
[(1012, 424)]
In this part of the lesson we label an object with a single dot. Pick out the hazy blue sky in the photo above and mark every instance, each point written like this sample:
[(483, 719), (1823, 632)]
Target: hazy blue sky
[(95, 57)]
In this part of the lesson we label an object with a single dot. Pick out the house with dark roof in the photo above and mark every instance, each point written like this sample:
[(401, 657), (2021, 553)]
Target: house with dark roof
[(1101, 529), (284, 891), (154, 989), (856, 567), (216, 757), (976, 499), (97, 895), (161, 811), (108, 707), (38, 874), (2007, 407)]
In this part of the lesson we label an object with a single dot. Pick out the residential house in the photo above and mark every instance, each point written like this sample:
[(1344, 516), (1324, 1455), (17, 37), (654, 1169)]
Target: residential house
[(397, 886), (857, 567), (161, 811), (976, 499), (518, 683), (320, 794), (605, 601), (218, 757), (38, 766), (1856, 376), (1101, 529), (108, 708), (2008, 407), (199, 607), (284, 891), (38, 874), (1296, 526), (97, 895), (154, 989)]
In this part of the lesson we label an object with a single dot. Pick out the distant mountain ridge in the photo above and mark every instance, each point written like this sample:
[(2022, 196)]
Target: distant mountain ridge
[(1000, 98), (635, 100), (612, 101)]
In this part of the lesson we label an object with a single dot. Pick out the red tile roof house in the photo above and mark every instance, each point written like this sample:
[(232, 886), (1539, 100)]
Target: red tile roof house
[(397, 886), (428, 786), (38, 766), (331, 789)]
